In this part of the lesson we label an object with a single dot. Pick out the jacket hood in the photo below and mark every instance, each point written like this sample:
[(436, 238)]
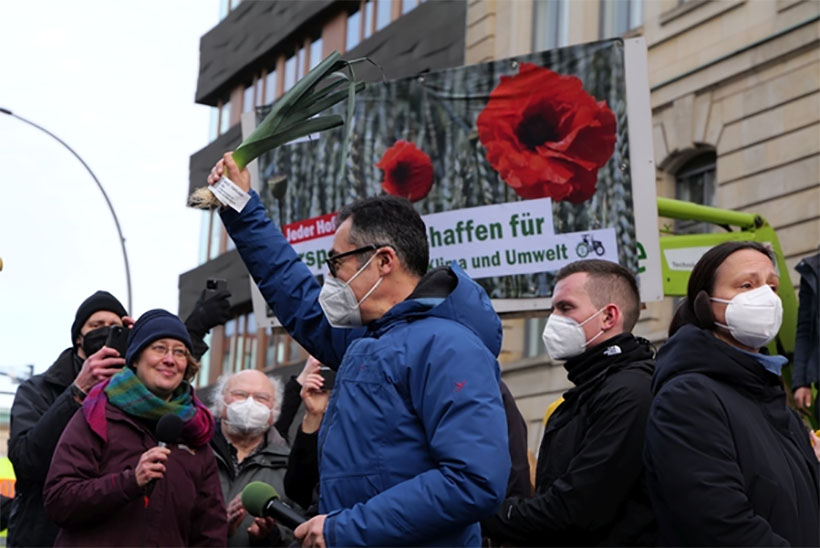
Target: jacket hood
[(696, 350), (448, 292)]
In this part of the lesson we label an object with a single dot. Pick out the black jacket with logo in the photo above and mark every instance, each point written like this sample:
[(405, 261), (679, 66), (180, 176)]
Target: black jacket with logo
[(589, 482), (728, 463)]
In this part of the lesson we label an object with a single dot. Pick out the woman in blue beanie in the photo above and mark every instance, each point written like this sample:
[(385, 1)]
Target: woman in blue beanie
[(110, 482)]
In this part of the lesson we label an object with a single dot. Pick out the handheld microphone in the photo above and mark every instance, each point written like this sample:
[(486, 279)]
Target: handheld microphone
[(169, 427), (262, 500)]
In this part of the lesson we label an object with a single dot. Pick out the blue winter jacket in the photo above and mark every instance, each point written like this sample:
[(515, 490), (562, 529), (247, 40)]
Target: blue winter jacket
[(413, 447)]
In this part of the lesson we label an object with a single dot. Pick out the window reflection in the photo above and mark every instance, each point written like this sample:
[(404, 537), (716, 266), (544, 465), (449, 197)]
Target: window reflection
[(368, 18), (216, 228), (354, 30), (204, 236), (225, 117), (213, 124), (695, 182), (300, 63), (619, 16), (203, 376), (290, 72), (383, 13), (551, 22), (315, 52), (270, 86), (247, 98)]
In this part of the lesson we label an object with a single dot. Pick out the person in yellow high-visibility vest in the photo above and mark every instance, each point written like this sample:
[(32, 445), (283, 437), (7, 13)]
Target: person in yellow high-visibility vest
[(7, 480)]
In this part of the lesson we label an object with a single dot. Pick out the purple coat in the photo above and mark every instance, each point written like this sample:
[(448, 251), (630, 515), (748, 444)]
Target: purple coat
[(91, 490)]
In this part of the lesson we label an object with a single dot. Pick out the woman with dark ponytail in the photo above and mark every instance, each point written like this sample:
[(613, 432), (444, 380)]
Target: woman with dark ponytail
[(728, 463)]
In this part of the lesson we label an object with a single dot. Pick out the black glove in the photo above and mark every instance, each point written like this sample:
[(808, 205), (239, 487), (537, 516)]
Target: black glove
[(209, 311)]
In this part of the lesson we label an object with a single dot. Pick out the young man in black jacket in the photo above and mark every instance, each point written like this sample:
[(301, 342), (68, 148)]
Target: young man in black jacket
[(45, 403), (589, 479)]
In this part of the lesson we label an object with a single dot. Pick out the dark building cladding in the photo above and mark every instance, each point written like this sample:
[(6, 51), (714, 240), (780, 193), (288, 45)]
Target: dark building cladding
[(430, 37)]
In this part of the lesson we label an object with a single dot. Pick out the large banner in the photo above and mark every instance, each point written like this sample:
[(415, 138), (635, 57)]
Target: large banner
[(518, 167)]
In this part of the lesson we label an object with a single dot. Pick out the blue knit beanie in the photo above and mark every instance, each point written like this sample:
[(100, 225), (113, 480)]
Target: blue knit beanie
[(155, 324)]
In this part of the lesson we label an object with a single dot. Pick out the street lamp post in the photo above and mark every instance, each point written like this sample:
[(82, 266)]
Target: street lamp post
[(99, 185)]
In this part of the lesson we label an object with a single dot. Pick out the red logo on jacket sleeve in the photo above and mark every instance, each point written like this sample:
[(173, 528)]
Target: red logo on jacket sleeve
[(460, 385)]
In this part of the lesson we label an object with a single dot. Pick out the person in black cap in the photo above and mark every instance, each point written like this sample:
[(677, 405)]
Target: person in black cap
[(43, 406), (45, 403)]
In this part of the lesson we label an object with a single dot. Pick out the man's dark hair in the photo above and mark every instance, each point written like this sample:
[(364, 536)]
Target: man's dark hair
[(696, 307), (608, 282), (389, 220)]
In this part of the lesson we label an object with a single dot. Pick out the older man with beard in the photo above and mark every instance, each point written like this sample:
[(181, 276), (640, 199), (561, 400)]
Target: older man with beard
[(248, 448)]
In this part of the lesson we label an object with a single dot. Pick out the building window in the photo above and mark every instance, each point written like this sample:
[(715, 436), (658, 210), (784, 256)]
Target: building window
[(551, 24), (249, 358), (229, 348), (240, 344), (202, 377), (270, 86), (408, 6), (223, 8), (290, 72), (383, 13), (368, 18), (300, 63), (247, 98), (213, 124), (354, 30), (204, 235), (619, 16), (216, 229), (226, 7), (282, 349), (695, 182), (315, 52), (533, 343), (225, 117)]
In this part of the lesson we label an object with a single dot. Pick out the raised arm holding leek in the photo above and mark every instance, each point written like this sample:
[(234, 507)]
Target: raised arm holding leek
[(413, 448), (294, 115)]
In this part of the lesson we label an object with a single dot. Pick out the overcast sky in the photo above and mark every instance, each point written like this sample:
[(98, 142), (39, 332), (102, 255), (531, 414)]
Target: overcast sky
[(116, 81)]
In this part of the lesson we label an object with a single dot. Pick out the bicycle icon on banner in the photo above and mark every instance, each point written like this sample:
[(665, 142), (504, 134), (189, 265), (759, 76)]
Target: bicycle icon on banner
[(588, 245)]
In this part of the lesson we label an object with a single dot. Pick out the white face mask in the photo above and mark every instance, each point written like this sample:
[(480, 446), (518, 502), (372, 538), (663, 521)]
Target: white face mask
[(339, 302), (565, 338), (248, 416), (753, 317)]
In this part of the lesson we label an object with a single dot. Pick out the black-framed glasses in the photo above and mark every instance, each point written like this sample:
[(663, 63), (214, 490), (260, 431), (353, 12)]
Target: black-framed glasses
[(335, 261)]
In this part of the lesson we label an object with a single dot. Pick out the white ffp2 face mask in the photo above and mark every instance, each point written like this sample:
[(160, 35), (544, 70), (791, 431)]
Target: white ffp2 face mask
[(339, 302), (753, 317), (565, 338), (248, 416)]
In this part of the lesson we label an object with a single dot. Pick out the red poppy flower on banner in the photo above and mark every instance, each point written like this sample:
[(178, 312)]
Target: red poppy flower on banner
[(408, 171), (545, 135)]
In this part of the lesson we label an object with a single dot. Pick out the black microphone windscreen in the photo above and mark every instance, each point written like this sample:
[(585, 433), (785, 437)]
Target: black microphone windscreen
[(169, 428)]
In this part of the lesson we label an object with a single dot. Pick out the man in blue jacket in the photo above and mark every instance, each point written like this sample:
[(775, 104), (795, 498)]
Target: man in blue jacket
[(413, 447)]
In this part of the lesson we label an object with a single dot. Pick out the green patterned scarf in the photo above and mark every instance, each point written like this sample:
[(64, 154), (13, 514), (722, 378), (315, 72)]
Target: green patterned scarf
[(126, 391)]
